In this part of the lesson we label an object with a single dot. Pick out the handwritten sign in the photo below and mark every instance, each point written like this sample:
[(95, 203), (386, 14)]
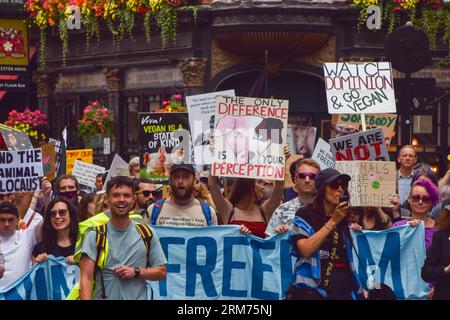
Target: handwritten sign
[(86, 173), (365, 87), (373, 182), (384, 121), (21, 171), (249, 137), (202, 110), (85, 155), (367, 145), (323, 155)]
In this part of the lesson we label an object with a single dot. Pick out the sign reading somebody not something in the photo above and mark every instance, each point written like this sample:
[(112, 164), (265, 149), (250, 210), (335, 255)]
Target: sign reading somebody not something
[(21, 171), (368, 145), (373, 182), (365, 87)]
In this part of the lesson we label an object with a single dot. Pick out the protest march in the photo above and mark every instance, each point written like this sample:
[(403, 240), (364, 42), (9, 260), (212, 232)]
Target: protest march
[(221, 202)]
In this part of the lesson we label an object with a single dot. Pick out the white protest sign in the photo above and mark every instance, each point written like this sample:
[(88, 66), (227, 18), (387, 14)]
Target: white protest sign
[(21, 171), (323, 155), (368, 145), (373, 182), (359, 87), (249, 138), (116, 164), (86, 173), (202, 109)]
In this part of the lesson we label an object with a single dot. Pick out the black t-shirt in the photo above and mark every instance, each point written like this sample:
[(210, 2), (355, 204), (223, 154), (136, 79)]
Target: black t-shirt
[(55, 250), (341, 278)]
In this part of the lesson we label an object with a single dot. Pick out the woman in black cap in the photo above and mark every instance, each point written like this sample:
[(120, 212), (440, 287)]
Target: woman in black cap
[(437, 264), (317, 239)]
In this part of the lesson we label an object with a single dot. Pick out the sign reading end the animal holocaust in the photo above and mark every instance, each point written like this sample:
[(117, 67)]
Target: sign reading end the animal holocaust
[(249, 137), (365, 87), (21, 171)]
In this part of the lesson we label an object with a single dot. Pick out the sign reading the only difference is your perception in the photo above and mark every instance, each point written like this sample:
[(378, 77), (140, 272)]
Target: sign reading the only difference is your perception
[(21, 171), (373, 182), (249, 137), (368, 145), (365, 87)]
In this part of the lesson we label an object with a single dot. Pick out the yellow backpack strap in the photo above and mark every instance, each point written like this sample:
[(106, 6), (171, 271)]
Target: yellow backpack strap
[(146, 236), (100, 261)]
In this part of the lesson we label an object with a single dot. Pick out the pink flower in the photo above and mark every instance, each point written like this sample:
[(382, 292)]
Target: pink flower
[(165, 102), (95, 104), (177, 96)]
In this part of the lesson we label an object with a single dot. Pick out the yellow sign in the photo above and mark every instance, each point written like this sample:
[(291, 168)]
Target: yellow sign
[(85, 155), (13, 43)]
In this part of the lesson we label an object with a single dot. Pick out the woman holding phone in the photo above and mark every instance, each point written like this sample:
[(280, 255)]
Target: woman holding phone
[(318, 240)]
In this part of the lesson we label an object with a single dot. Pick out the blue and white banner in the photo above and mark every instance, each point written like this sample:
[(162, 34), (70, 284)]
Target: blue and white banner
[(49, 280), (221, 263), (394, 257)]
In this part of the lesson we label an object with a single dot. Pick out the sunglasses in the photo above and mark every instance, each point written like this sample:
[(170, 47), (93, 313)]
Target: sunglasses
[(336, 184), (303, 175), (147, 193), (416, 198), (60, 212)]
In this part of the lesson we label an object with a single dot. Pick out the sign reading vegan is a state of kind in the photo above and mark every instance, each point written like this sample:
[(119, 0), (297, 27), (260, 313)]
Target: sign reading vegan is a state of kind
[(164, 140), (373, 182), (249, 137), (368, 145), (21, 171), (365, 87)]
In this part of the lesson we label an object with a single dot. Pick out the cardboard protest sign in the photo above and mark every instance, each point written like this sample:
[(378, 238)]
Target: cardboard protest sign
[(367, 145), (21, 171), (323, 155), (343, 122), (373, 182), (164, 140), (85, 155), (359, 87), (86, 173), (202, 109), (117, 163), (48, 160), (249, 136), (15, 139)]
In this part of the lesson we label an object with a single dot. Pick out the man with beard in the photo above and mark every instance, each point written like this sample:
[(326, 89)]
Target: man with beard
[(182, 209), (306, 172), (121, 266)]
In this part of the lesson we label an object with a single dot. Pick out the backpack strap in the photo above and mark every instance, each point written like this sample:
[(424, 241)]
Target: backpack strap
[(146, 236), (100, 241), (157, 206), (206, 212)]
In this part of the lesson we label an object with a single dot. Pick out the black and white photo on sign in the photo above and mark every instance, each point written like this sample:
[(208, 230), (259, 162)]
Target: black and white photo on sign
[(301, 135), (202, 109)]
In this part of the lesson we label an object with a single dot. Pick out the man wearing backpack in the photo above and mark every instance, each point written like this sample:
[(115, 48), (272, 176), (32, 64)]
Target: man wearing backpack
[(119, 256), (182, 209)]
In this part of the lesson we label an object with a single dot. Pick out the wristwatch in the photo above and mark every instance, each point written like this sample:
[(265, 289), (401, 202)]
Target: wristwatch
[(137, 272)]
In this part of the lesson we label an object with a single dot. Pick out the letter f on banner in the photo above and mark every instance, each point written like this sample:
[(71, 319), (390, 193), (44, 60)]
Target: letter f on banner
[(73, 17), (373, 17)]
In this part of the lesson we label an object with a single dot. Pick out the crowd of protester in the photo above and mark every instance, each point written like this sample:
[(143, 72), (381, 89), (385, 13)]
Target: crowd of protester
[(63, 221)]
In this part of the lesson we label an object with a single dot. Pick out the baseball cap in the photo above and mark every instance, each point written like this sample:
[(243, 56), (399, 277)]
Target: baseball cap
[(184, 166), (8, 208), (329, 175)]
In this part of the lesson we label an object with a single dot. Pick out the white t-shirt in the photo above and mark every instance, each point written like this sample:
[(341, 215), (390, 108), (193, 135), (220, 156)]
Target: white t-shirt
[(17, 251), (31, 214)]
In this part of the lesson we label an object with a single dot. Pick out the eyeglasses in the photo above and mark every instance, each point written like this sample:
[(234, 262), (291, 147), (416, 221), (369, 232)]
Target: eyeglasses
[(303, 175), (336, 184), (61, 212), (416, 198), (147, 193)]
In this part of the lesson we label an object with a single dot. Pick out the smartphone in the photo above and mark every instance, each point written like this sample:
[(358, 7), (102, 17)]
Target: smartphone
[(344, 198)]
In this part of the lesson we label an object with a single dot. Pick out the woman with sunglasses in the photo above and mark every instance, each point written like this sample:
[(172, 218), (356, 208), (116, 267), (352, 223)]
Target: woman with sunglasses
[(423, 196), (437, 264), (60, 230), (318, 241)]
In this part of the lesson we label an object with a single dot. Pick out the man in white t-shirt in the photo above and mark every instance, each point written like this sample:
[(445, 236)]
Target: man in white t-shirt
[(182, 209), (16, 245)]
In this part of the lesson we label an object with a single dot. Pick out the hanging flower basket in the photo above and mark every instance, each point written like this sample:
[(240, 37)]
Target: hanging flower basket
[(96, 123)]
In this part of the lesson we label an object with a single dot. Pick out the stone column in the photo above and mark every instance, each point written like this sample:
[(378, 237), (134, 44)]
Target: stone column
[(45, 84), (193, 70), (114, 81)]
